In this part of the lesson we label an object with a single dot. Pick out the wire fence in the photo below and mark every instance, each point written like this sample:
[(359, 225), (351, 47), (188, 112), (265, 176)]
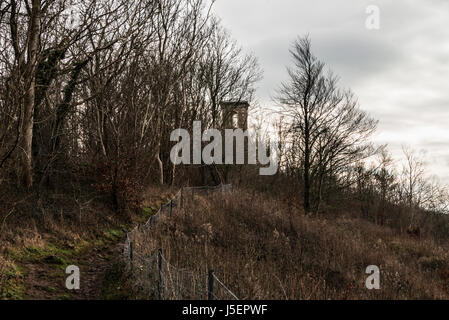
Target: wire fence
[(155, 276)]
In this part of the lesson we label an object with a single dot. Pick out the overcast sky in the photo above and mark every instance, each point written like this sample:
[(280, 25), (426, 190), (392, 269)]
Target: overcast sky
[(400, 72)]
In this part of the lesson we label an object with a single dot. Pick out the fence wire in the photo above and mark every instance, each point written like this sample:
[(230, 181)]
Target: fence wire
[(152, 273)]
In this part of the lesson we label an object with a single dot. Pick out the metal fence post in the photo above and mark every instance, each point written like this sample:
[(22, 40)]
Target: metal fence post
[(131, 254), (210, 286), (159, 268), (160, 282)]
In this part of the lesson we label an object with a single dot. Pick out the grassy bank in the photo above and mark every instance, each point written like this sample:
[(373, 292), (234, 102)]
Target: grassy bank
[(263, 249), (35, 250)]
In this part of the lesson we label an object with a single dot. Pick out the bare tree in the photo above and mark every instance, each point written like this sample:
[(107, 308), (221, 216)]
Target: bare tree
[(24, 31), (227, 73), (386, 182), (413, 172), (328, 128)]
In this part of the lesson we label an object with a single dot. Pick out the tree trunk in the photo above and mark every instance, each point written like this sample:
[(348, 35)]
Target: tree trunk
[(173, 174), (27, 139), (161, 168), (307, 169), (28, 104)]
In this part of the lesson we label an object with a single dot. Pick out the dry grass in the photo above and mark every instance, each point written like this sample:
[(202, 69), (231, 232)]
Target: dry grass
[(265, 250), (40, 238)]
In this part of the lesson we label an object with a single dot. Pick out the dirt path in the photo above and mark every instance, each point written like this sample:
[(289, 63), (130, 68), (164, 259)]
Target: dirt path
[(93, 268), (45, 280), (41, 270)]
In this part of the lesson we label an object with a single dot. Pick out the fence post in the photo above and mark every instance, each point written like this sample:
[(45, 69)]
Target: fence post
[(180, 199), (210, 286), (131, 255), (159, 268), (171, 208)]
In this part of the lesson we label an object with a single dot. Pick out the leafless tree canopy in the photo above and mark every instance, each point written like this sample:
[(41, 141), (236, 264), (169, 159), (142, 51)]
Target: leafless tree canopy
[(90, 92), (104, 83), (327, 130)]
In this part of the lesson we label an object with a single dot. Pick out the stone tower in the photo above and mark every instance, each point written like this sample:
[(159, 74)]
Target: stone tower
[(235, 114)]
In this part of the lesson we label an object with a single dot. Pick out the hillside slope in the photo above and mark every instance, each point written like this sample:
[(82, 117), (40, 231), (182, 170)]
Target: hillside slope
[(263, 249), (35, 251)]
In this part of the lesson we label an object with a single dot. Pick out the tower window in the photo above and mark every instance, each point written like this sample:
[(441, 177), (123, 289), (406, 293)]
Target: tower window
[(235, 120)]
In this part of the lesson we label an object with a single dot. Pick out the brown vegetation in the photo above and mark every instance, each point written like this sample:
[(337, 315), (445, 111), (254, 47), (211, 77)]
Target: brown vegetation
[(264, 249)]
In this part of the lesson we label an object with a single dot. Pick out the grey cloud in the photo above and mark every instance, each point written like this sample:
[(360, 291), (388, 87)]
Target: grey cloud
[(399, 72), (357, 56)]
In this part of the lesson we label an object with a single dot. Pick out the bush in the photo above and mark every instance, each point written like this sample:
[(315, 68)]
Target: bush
[(117, 180)]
